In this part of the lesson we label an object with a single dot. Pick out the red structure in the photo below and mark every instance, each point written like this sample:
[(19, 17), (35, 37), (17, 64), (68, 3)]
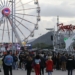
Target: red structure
[(66, 27), (6, 12)]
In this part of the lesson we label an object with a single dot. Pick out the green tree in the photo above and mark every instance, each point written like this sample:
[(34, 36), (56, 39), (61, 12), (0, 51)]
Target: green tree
[(42, 46)]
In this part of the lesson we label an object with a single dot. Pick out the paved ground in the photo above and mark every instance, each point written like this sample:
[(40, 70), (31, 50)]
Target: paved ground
[(23, 72)]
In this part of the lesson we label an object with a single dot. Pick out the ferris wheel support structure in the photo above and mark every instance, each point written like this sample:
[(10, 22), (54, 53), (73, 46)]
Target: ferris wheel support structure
[(12, 22), (15, 32)]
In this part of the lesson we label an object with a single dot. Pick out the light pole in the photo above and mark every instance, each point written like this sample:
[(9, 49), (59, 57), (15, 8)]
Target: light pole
[(13, 3), (14, 37), (12, 23)]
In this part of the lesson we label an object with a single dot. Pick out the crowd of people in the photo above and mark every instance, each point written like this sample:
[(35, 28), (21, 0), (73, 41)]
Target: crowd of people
[(38, 62)]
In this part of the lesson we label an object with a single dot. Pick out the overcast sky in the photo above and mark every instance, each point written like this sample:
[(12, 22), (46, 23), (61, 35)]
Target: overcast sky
[(65, 9), (50, 9)]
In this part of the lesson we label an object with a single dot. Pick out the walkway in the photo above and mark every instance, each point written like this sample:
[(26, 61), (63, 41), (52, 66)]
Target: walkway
[(22, 72)]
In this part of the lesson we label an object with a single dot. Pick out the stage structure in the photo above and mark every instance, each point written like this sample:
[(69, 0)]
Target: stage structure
[(67, 30)]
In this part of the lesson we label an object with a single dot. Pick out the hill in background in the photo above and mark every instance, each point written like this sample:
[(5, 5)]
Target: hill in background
[(46, 38)]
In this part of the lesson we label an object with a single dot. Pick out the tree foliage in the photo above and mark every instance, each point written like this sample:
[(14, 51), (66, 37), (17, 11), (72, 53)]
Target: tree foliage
[(42, 46)]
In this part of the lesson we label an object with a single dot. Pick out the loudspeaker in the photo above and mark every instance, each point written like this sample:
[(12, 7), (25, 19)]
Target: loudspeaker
[(51, 37)]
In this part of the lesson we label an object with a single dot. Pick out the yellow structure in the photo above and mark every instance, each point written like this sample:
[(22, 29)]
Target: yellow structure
[(23, 43)]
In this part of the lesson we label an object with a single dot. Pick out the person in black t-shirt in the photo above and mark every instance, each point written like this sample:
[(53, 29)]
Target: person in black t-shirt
[(70, 65)]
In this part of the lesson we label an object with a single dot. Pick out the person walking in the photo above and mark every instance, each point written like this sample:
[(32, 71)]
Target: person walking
[(49, 65), (21, 61), (42, 64), (37, 65), (0, 65), (58, 62), (0, 60), (8, 60), (70, 65), (29, 65), (3, 64), (15, 59), (63, 62)]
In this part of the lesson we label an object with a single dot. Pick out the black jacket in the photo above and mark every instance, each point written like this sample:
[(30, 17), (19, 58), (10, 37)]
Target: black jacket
[(70, 64), (29, 64), (42, 63)]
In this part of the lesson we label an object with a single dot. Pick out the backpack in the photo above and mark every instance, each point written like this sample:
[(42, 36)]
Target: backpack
[(15, 59)]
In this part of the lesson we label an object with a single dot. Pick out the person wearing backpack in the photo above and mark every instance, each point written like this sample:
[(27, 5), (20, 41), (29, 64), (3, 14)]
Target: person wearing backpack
[(70, 65), (8, 60), (15, 59), (29, 65), (16, 62)]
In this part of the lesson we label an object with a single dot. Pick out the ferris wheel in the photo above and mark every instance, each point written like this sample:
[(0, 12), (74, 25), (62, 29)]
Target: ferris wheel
[(21, 19)]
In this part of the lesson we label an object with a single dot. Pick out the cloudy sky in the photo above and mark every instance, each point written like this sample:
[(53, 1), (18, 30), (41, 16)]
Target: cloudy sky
[(50, 9), (65, 9)]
